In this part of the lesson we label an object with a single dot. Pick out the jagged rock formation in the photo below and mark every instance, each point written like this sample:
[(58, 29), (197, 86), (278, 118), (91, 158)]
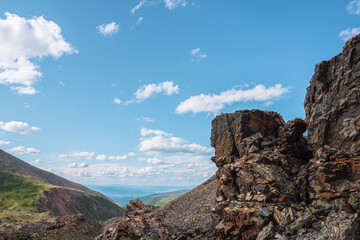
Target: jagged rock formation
[(260, 174), (272, 184), (139, 223), (332, 101)]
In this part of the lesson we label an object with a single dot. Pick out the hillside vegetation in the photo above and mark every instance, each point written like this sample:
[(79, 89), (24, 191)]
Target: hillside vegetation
[(19, 192)]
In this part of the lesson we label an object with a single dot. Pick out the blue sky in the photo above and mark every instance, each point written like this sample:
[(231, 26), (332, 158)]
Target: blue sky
[(105, 92)]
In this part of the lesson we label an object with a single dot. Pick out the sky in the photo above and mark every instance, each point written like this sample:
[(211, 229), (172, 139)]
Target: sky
[(124, 92)]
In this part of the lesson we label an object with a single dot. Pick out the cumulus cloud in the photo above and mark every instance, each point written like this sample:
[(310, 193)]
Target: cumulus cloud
[(3, 142), (78, 155), (197, 55), (108, 29), (349, 33), (23, 150), (157, 141), (213, 103), (18, 127), (24, 40), (167, 88), (353, 7), (78, 165), (37, 161)]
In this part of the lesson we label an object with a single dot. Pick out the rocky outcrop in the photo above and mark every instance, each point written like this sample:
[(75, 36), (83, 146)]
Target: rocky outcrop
[(332, 101), (273, 183), (261, 174), (139, 223)]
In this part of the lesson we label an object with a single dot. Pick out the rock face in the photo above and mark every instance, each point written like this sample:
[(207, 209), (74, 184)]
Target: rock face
[(332, 101), (260, 176)]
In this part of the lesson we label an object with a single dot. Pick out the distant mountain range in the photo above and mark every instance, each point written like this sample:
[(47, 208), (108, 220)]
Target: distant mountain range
[(123, 194), (24, 187)]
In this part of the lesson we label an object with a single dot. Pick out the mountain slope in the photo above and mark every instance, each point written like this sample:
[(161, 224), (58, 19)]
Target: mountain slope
[(161, 199), (9, 163), (192, 210), (27, 188)]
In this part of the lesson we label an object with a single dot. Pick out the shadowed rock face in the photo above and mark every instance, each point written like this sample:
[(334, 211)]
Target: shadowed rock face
[(332, 101)]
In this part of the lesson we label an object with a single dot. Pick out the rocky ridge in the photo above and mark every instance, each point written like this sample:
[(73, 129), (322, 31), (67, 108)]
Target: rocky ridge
[(274, 183)]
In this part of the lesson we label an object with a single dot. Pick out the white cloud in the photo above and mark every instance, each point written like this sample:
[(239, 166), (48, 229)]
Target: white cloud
[(56, 171), (213, 103), (167, 88), (78, 155), (139, 20), (353, 7), (169, 4), (3, 142), (23, 40), (108, 29), (103, 157), (84, 173), (37, 161), (154, 161), (138, 6), (92, 156), (117, 101), (197, 55), (23, 150), (131, 154), (117, 158), (172, 4), (146, 131), (162, 142), (349, 33), (78, 165), (19, 127)]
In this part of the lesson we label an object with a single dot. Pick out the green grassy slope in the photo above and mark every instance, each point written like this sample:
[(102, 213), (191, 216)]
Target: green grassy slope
[(18, 192), (26, 193), (163, 198)]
